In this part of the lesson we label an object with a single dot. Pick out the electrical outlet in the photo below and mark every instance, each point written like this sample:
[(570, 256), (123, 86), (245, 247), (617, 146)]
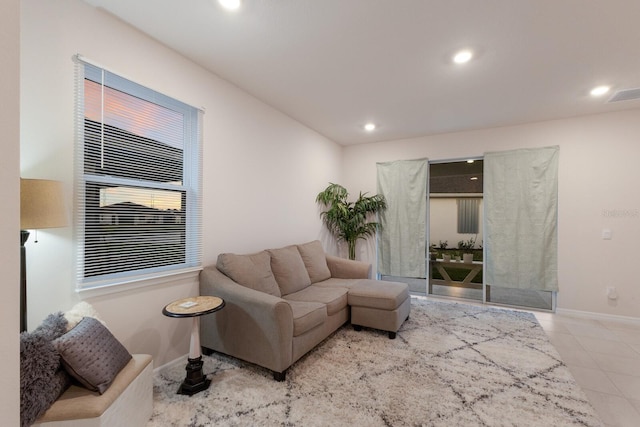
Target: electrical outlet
[(612, 293)]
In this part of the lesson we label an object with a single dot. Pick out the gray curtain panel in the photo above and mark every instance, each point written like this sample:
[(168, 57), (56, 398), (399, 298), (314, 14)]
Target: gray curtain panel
[(403, 237), (521, 215)]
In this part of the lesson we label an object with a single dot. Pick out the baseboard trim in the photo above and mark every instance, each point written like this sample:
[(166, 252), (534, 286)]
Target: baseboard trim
[(178, 361), (599, 316)]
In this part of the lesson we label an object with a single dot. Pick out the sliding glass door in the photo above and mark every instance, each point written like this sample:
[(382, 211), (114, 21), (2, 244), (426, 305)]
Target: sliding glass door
[(453, 228)]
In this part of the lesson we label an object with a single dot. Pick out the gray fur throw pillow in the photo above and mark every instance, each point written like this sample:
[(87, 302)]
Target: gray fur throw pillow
[(42, 380)]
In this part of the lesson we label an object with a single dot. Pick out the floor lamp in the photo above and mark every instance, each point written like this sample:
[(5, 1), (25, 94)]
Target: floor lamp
[(41, 206)]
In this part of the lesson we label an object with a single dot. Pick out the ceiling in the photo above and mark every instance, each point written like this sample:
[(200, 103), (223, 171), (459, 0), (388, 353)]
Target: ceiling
[(335, 65)]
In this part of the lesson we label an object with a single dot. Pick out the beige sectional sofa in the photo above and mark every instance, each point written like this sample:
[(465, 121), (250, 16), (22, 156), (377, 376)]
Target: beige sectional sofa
[(281, 303)]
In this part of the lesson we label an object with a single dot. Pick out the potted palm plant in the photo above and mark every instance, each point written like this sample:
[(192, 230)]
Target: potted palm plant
[(347, 221)]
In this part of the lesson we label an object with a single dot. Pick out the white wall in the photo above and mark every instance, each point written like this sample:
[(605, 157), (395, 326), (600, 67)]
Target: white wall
[(598, 181), (10, 224), (261, 168)]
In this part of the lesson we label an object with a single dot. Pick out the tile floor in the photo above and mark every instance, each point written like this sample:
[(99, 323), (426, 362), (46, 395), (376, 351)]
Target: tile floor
[(602, 355), (604, 358)]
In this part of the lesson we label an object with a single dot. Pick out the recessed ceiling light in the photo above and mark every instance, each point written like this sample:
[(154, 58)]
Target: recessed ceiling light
[(369, 127), (474, 178), (470, 161), (600, 90), (463, 56), (230, 4)]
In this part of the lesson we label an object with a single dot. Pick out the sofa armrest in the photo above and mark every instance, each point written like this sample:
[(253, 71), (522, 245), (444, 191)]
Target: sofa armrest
[(342, 268), (253, 326)]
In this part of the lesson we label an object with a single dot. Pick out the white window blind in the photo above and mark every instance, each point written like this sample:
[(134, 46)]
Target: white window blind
[(137, 180)]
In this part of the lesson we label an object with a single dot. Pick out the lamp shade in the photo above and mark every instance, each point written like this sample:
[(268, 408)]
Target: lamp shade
[(41, 204)]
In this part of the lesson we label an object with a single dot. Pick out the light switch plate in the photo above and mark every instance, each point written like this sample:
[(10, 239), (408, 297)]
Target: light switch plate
[(606, 234)]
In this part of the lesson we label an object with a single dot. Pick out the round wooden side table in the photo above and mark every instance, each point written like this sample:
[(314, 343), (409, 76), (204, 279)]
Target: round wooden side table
[(194, 307)]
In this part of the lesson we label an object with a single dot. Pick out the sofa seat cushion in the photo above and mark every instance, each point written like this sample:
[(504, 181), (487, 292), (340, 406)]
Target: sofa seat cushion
[(307, 315), (315, 261), (338, 283), (289, 270), (334, 298), (252, 271)]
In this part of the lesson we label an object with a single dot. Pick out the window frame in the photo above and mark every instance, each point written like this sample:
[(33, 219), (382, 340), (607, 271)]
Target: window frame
[(191, 184)]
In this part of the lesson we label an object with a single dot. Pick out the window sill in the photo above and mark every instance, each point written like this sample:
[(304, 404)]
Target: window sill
[(138, 282)]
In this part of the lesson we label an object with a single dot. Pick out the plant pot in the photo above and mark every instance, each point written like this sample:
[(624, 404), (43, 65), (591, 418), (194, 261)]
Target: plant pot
[(457, 258), (446, 257), (468, 258)]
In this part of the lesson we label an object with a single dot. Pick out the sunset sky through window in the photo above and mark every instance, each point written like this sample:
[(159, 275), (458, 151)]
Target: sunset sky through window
[(139, 117)]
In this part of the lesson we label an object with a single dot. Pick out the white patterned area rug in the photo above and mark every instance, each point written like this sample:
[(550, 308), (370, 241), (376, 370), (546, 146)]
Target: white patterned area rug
[(450, 365)]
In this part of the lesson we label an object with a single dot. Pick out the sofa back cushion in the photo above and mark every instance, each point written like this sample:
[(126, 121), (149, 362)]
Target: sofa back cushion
[(315, 261), (252, 271), (289, 270)]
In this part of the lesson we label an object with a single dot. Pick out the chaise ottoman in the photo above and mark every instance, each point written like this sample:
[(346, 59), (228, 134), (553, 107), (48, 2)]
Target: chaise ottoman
[(379, 304)]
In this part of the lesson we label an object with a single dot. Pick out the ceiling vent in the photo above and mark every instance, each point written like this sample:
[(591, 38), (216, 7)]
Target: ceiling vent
[(625, 95)]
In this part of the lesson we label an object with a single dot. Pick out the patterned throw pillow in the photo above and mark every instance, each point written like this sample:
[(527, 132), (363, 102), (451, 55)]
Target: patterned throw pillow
[(91, 354)]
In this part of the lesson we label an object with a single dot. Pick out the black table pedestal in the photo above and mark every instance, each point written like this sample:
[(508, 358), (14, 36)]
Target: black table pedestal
[(195, 381)]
